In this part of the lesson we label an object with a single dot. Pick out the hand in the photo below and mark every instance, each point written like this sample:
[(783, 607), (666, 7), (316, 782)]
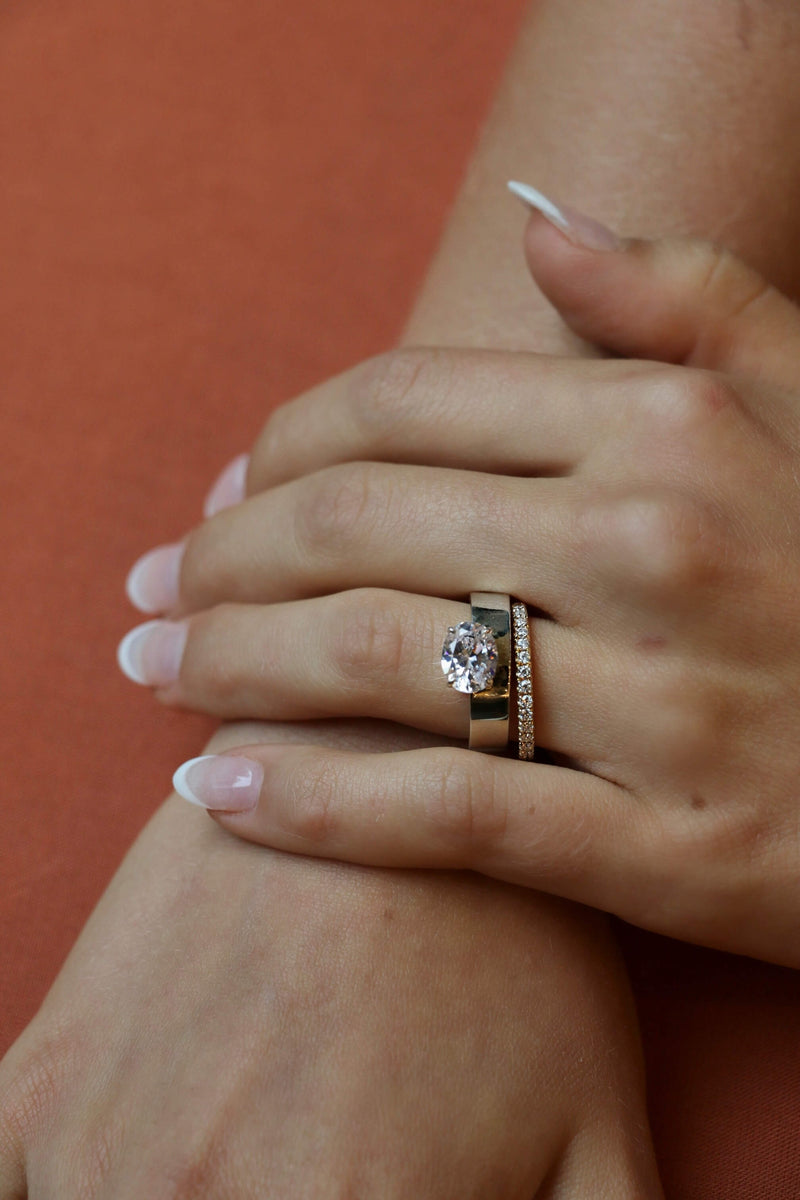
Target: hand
[(239, 1024), (651, 512)]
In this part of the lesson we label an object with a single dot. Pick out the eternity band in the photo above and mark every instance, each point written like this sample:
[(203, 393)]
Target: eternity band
[(524, 677)]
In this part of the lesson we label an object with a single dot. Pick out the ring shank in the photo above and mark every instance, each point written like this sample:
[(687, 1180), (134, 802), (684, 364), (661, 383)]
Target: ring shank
[(489, 711)]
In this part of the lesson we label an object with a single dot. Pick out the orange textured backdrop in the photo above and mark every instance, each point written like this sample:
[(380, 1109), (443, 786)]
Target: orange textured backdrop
[(204, 208)]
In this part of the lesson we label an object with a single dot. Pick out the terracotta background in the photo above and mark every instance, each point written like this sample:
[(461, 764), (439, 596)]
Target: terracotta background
[(203, 208)]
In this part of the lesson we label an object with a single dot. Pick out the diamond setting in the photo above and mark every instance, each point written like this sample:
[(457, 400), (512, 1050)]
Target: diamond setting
[(469, 657), (522, 655)]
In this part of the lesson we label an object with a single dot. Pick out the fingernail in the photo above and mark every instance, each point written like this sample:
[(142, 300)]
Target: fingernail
[(229, 488), (221, 782), (151, 653), (581, 229), (152, 584)]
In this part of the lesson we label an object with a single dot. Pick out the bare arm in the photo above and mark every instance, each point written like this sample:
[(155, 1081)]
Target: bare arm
[(657, 119), (595, 108)]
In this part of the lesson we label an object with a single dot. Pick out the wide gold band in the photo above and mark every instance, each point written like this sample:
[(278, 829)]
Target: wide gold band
[(489, 710)]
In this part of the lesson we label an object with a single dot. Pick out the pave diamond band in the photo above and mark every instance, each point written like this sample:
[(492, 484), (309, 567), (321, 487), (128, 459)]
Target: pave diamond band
[(524, 676)]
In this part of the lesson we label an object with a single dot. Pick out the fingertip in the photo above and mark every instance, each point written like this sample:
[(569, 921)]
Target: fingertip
[(578, 228), (227, 783), (181, 780), (151, 654), (128, 652), (153, 582), (229, 488), (576, 280), (536, 202)]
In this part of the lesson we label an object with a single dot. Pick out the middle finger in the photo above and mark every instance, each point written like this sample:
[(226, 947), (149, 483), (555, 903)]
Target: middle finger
[(426, 530)]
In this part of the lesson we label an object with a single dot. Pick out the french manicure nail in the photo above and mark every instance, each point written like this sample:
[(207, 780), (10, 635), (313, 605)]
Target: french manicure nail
[(229, 488), (223, 782), (581, 229), (151, 653), (152, 584)]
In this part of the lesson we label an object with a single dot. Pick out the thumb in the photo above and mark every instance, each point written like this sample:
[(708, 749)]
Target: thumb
[(673, 300)]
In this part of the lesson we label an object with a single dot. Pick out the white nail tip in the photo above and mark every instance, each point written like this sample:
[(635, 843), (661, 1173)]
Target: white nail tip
[(126, 656), (133, 588), (180, 784), (538, 201), (229, 488)]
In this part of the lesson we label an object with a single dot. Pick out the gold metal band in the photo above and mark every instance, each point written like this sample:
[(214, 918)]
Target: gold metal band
[(489, 710), (523, 664)]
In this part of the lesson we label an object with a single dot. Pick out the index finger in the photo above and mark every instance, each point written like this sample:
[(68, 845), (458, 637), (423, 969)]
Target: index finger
[(491, 411)]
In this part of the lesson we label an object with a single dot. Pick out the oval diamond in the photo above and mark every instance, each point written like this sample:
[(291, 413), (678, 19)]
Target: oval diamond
[(469, 657)]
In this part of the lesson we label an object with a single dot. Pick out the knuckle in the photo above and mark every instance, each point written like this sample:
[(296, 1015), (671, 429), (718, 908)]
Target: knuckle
[(274, 447), (679, 403), (198, 1174), (706, 394), (337, 507), (393, 388), (690, 881), (203, 661), (310, 799), (698, 719), (718, 855), (692, 719), (732, 842), (369, 640), (199, 567), (464, 804), (665, 541)]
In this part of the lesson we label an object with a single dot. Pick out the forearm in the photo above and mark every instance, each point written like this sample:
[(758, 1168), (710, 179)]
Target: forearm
[(655, 117), (213, 889), (397, 1019)]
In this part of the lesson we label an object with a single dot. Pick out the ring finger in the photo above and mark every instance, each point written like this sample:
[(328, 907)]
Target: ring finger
[(362, 653)]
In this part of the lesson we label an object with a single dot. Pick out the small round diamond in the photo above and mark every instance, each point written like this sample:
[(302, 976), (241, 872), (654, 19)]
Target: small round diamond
[(469, 657)]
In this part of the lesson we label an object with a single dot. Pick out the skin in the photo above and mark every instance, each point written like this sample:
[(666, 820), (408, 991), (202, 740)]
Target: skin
[(658, 119), (52, 1083), (648, 511), (311, 1043)]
